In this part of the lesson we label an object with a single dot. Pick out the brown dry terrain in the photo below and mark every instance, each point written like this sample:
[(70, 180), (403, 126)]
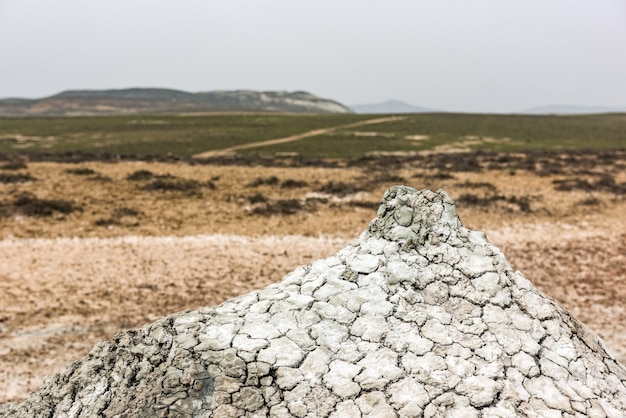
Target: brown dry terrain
[(94, 248)]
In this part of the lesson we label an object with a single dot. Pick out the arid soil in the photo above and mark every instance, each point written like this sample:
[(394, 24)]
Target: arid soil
[(94, 248)]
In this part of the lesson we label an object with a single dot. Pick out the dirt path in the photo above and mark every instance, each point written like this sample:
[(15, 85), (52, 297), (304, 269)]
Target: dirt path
[(297, 137)]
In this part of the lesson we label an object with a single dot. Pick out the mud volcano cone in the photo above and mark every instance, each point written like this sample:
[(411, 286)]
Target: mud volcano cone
[(418, 317)]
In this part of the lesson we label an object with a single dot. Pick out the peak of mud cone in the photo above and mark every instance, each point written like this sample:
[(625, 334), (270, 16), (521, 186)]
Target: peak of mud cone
[(409, 216)]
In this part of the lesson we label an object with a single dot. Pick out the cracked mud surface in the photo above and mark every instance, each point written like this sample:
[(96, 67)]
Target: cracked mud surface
[(419, 316)]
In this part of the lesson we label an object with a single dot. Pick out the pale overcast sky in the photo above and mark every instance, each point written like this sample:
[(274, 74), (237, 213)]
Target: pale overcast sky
[(455, 55)]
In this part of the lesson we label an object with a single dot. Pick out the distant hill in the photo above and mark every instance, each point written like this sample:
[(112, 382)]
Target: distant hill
[(572, 110), (390, 106), (156, 100)]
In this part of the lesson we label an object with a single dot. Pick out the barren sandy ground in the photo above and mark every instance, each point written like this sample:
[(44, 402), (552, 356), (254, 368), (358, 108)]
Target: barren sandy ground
[(131, 254)]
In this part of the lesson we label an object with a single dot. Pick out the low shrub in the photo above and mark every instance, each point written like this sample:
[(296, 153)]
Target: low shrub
[(105, 222), (605, 183), (141, 175), (314, 200), (339, 188), (172, 185), (14, 165), (293, 184), (568, 185), (16, 178), (523, 203), (457, 162), (177, 185), (590, 201), (30, 205), (260, 181), (471, 199), (121, 217), (257, 198), (281, 207), (440, 175), (81, 171)]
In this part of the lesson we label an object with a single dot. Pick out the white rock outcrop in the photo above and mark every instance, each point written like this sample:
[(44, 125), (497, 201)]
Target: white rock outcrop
[(418, 317)]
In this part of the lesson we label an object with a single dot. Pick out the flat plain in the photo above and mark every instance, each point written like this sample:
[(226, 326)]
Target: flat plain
[(112, 231)]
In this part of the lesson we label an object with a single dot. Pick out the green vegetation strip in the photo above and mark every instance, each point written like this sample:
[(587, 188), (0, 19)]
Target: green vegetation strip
[(188, 135), (450, 132), (516, 132), (177, 135)]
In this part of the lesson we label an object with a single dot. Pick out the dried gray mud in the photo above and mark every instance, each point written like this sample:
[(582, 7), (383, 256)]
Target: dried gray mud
[(418, 317)]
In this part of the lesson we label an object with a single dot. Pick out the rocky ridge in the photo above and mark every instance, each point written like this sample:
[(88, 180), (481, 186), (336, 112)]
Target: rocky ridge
[(418, 317), (154, 100)]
